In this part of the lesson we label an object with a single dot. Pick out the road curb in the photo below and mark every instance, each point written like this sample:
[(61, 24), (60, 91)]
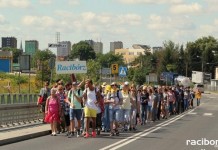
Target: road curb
[(24, 137)]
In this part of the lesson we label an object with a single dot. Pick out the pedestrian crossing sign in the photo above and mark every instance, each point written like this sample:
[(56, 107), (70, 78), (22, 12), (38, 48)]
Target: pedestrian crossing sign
[(122, 71)]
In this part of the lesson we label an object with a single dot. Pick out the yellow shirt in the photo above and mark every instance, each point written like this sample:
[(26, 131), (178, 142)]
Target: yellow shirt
[(198, 94)]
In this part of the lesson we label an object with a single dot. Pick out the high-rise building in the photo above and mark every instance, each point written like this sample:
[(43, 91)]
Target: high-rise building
[(31, 47), (116, 45), (9, 42), (64, 51), (97, 46)]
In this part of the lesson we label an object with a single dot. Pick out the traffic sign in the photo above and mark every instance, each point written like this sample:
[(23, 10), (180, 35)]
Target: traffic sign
[(52, 45), (122, 71), (114, 68), (105, 71)]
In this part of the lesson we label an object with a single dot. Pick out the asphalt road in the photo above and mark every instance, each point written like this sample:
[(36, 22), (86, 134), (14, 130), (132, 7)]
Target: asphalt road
[(192, 130)]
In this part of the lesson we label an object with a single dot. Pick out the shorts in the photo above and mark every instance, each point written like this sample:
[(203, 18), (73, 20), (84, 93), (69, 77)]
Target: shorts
[(89, 112), (75, 113), (149, 108), (125, 115), (114, 115)]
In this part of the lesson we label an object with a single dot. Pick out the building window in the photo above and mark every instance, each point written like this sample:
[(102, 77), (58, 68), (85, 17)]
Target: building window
[(139, 53), (123, 53), (131, 53)]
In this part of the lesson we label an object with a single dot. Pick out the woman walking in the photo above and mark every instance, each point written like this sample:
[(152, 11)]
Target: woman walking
[(53, 111)]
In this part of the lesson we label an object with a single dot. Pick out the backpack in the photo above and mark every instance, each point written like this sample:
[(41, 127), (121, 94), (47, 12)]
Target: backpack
[(78, 92), (118, 96)]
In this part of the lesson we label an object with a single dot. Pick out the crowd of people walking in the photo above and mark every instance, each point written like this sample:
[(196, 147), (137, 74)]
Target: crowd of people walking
[(85, 109)]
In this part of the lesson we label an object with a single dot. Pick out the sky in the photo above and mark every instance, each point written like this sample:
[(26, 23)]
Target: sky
[(149, 22)]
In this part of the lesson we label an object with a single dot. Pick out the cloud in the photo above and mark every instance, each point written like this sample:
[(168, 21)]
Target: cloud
[(186, 8), (212, 5), (88, 16), (150, 1), (38, 21), (73, 2), (15, 3), (45, 2), (208, 29), (174, 27), (131, 19), (2, 19), (170, 23)]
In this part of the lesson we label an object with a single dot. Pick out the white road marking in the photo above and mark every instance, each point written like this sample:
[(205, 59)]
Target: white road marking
[(212, 97), (207, 114), (143, 133), (192, 113)]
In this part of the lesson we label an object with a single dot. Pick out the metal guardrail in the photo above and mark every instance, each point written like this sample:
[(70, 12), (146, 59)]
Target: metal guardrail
[(18, 109)]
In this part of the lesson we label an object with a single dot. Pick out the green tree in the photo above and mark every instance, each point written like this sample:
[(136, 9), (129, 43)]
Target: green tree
[(41, 59), (201, 51), (110, 58), (93, 70), (182, 62), (83, 51)]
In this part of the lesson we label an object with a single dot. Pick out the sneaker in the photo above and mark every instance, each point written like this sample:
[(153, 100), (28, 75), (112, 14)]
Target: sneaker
[(94, 134), (68, 133), (78, 133), (54, 134), (71, 135), (86, 135), (111, 134), (130, 129), (117, 133), (134, 129), (98, 132)]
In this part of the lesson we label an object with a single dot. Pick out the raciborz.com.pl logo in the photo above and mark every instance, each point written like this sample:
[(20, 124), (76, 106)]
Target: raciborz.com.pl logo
[(202, 142)]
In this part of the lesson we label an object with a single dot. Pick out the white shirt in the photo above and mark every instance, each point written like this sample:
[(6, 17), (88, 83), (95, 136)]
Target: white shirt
[(91, 99)]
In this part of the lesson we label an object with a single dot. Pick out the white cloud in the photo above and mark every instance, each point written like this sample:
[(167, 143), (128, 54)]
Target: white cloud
[(208, 29), (170, 23), (88, 16), (73, 2), (150, 1), (2, 19), (216, 22), (64, 14), (15, 3), (186, 8), (38, 21), (131, 19), (212, 5), (45, 2), (171, 27), (104, 18)]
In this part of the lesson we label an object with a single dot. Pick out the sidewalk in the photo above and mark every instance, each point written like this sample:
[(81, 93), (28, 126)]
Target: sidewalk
[(12, 136)]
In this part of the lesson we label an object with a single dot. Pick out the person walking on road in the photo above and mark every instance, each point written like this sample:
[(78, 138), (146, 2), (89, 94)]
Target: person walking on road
[(198, 96), (44, 94), (114, 98), (126, 106), (91, 99), (74, 99), (53, 111)]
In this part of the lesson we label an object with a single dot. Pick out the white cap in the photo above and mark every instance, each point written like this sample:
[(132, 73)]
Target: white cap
[(126, 83)]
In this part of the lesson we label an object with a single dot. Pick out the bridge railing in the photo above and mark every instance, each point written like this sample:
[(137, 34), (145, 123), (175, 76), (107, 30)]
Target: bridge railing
[(18, 109)]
